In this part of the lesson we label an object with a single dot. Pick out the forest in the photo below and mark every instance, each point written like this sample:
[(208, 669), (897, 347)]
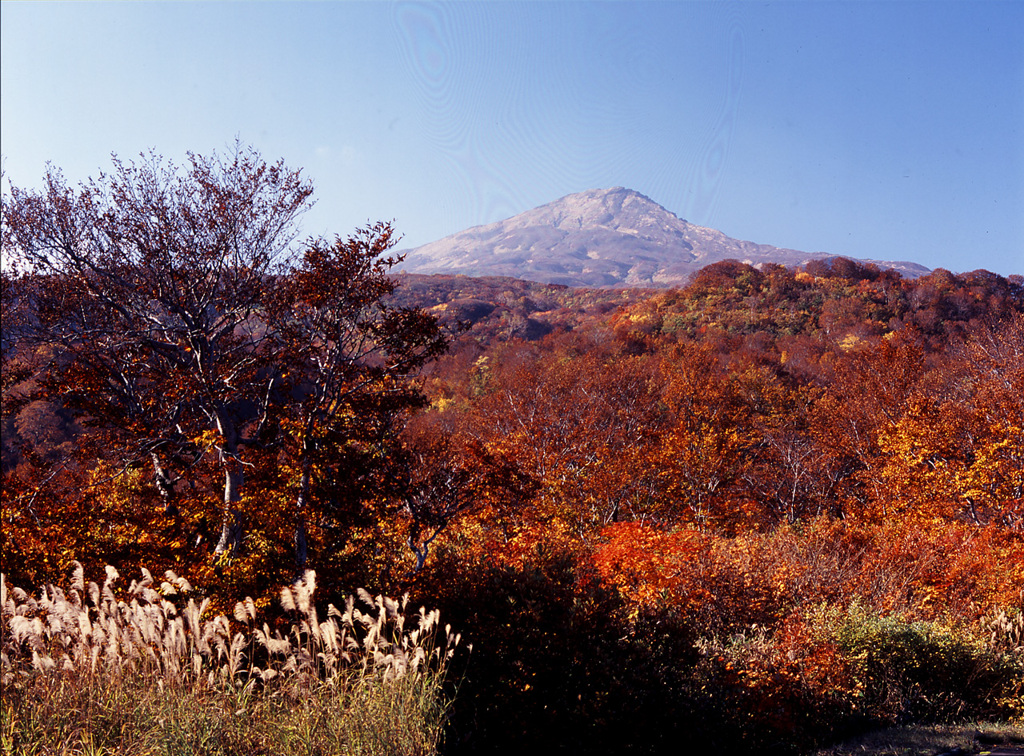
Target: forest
[(760, 513)]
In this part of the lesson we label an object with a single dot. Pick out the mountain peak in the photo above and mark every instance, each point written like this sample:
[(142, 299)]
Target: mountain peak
[(598, 237), (614, 208)]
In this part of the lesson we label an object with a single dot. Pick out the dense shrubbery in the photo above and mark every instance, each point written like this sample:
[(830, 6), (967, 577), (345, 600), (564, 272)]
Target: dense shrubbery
[(561, 667), (762, 644)]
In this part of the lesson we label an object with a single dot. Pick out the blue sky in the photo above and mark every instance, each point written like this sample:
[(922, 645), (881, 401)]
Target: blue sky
[(886, 130)]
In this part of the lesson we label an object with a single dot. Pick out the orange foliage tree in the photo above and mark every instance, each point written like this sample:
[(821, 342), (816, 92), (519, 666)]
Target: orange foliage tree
[(580, 424), (706, 447), (195, 338)]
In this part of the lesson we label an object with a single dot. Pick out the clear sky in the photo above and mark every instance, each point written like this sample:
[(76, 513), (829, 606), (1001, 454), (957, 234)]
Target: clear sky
[(887, 130)]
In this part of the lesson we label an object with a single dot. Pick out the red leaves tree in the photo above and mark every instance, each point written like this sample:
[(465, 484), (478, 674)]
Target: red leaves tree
[(189, 328), (349, 356), (706, 449), (151, 286), (582, 424)]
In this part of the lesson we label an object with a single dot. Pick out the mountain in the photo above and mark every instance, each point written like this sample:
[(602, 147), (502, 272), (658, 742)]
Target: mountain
[(600, 237)]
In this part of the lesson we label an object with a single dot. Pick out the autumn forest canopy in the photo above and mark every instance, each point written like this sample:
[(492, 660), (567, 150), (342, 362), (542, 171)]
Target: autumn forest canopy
[(767, 509)]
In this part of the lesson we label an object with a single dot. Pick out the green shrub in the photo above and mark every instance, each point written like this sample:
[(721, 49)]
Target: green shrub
[(923, 671)]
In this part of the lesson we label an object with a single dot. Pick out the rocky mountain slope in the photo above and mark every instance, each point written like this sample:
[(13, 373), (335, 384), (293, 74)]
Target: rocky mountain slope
[(600, 237)]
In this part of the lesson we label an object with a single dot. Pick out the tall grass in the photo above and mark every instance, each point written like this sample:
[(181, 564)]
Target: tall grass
[(147, 671)]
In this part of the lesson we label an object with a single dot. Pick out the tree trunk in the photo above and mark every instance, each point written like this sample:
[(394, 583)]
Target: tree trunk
[(165, 485), (301, 545), (232, 526)]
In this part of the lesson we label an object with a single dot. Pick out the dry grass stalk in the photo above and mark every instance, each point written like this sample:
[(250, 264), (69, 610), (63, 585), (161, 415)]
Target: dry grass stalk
[(147, 670), (89, 630)]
